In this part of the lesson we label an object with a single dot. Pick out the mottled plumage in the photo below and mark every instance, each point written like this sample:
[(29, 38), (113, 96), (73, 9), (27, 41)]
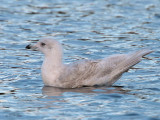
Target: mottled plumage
[(86, 72)]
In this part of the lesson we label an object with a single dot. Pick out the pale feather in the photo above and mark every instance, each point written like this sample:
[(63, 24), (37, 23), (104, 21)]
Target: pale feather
[(99, 72), (86, 72)]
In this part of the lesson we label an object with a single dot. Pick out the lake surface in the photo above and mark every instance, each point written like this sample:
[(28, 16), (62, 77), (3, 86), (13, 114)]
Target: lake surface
[(88, 29)]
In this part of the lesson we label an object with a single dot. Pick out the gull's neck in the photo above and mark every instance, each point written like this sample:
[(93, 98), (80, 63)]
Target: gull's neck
[(52, 66), (54, 57)]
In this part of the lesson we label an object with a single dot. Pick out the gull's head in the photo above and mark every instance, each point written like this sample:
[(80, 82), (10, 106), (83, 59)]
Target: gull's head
[(45, 45)]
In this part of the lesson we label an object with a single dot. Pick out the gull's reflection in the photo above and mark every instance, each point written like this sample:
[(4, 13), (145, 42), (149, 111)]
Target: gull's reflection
[(53, 91)]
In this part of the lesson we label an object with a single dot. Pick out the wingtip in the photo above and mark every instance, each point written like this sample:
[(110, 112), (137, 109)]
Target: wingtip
[(146, 52), (149, 51)]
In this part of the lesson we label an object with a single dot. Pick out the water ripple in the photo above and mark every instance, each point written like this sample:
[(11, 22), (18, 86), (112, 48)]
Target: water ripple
[(87, 29)]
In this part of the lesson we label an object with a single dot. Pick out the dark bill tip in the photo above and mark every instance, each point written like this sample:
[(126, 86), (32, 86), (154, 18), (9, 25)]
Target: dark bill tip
[(28, 47)]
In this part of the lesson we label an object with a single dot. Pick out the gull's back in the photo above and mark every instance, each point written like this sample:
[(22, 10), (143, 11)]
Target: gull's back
[(99, 72)]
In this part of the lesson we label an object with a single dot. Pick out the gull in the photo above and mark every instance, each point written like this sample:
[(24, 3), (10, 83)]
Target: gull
[(84, 72)]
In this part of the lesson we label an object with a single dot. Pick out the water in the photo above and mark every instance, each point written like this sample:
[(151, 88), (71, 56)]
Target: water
[(88, 29)]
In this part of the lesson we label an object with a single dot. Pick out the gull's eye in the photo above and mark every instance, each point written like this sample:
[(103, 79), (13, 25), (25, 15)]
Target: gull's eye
[(43, 44)]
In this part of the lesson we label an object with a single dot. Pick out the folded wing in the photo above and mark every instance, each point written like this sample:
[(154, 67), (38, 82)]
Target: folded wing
[(100, 72)]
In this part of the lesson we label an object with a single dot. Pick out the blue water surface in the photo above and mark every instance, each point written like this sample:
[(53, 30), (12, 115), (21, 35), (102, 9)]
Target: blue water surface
[(88, 29)]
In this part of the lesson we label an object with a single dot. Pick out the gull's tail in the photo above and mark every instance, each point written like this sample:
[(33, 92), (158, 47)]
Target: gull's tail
[(133, 59)]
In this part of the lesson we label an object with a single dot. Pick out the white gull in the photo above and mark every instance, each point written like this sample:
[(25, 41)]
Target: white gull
[(82, 73)]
